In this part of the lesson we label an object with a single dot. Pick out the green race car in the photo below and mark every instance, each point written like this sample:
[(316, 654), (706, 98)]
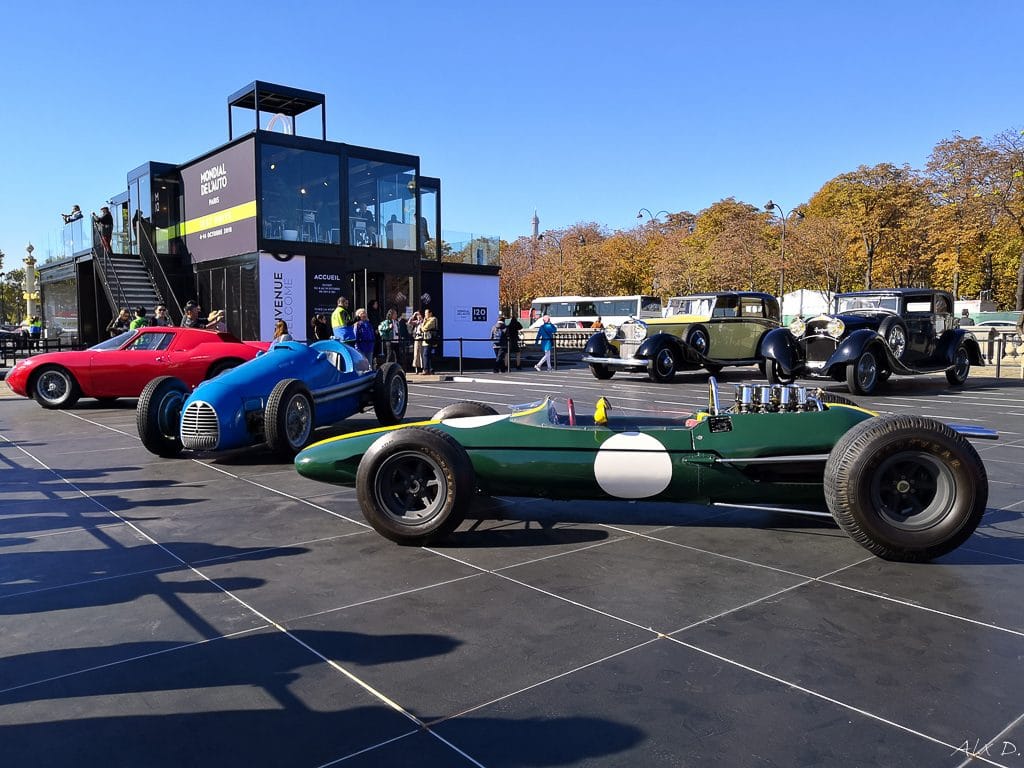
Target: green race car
[(905, 487)]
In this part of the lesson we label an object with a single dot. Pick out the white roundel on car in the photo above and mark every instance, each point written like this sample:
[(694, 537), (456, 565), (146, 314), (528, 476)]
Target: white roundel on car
[(631, 465)]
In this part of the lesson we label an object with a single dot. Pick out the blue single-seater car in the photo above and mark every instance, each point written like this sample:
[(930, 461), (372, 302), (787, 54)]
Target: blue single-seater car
[(278, 398)]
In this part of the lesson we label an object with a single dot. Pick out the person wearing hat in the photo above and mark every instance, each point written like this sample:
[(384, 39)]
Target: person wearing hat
[(105, 222), (190, 315), (215, 321)]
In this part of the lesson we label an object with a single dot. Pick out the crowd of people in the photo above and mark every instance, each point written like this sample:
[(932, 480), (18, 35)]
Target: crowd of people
[(414, 342)]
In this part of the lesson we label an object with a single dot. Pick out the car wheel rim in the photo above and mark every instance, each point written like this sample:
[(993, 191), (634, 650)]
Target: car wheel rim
[(867, 370), (168, 413), (699, 342), (665, 363), (962, 364), (397, 395), (411, 488), (897, 342), (297, 421), (913, 491), (53, 386)]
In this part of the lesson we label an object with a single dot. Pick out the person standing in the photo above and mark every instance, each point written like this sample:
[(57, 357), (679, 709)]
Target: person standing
[(120, 324), (499, 342), (140, 320), (105, 222), (404, 341), (430, 332), (321, 330), (160, 317), (215, 321), (190, 316), (388, 329), (342, 321), (281, 332), (365, 338), (546, 339), (514, 329), (416, 329)]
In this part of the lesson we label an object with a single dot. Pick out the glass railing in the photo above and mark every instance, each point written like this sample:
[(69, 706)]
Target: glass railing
[(67, 240), (465, 248)]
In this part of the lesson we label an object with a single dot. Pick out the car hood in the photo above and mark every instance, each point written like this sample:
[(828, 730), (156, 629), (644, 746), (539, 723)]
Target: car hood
[(852, 321)]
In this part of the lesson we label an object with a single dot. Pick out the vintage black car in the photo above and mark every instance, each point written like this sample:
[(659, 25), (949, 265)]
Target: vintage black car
[(870, 336)]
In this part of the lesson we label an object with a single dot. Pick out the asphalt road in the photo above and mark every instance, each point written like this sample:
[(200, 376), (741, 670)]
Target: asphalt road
[(222, 610)]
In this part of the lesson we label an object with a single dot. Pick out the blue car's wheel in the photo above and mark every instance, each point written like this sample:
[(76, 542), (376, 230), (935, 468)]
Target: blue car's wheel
[(390, 394), (289, 417), (415, 484), (158, 415)]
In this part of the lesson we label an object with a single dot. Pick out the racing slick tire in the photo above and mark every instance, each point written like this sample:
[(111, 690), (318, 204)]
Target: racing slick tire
[(862, 374), (907, 488), (390, 394), (663, 366), (158, 415), (462, 410), (289, 419), (55, 387), (601, 372), (961, 369), (415, 485)]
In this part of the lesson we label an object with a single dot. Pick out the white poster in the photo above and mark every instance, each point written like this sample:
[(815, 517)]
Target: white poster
[(470, 309), (283, 295)]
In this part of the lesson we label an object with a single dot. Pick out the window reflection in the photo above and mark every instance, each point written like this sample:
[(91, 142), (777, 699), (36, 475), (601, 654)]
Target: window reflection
[(382, 204), (300, 195)]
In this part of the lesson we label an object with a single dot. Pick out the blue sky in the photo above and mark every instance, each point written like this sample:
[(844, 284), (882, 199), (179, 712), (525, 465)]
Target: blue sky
[(585, 111)]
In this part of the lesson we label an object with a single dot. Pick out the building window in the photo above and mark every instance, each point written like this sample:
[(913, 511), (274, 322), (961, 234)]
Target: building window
[(382, 205), (301, 195)]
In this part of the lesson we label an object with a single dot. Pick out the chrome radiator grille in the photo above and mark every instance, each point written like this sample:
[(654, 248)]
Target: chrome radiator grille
[(199, 426)]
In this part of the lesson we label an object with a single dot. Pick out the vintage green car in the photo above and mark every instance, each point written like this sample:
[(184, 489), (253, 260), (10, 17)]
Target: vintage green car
[(906, 488), (710, 331)]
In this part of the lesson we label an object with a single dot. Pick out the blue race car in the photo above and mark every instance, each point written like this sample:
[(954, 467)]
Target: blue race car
[(278, 398)]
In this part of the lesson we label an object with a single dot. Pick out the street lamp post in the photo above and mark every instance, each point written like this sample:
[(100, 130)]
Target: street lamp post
[(653, 216), (782, 215), (581, 241)]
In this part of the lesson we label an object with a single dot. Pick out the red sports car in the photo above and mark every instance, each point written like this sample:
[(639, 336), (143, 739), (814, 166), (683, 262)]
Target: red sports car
[(123, 365)]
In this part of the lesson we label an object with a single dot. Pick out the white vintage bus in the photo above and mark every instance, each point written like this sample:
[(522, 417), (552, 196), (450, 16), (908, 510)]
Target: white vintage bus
[(582, 311)]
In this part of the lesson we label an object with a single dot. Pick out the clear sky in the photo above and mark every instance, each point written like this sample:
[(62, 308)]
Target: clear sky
[(584, 111)]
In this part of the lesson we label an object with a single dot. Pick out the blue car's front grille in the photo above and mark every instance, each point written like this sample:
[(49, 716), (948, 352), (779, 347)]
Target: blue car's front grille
[(200, 429), (819, 350)]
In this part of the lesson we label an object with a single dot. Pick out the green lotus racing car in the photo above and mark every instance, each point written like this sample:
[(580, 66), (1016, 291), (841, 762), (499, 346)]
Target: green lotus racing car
[(907, 488)]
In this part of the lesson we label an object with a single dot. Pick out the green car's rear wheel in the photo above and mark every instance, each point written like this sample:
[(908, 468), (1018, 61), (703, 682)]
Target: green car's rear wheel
[(907, 488), (415, 485), (462, 410)]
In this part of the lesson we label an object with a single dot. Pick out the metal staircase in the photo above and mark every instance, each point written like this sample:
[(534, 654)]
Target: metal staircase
[(136, 287)]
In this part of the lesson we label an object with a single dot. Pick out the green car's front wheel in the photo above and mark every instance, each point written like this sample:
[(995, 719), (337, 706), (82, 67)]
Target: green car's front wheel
[(907, 488), (415, 485)]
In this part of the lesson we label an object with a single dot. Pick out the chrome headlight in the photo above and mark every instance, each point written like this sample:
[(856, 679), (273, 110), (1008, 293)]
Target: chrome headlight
[(797, 327), (835, 327)]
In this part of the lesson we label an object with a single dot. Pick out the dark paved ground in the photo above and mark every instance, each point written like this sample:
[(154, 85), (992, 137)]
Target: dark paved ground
[(221, 611)]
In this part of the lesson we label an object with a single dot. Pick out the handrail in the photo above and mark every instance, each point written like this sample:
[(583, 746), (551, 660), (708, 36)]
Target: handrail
[(165, 291), (104, 257)]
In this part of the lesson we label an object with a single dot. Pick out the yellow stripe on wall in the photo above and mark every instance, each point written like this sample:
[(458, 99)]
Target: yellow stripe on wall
[(211, 220)]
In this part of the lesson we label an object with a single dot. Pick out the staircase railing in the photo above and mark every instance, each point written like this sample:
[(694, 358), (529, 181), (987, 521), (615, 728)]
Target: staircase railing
[(103, 257), (151, 260)]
